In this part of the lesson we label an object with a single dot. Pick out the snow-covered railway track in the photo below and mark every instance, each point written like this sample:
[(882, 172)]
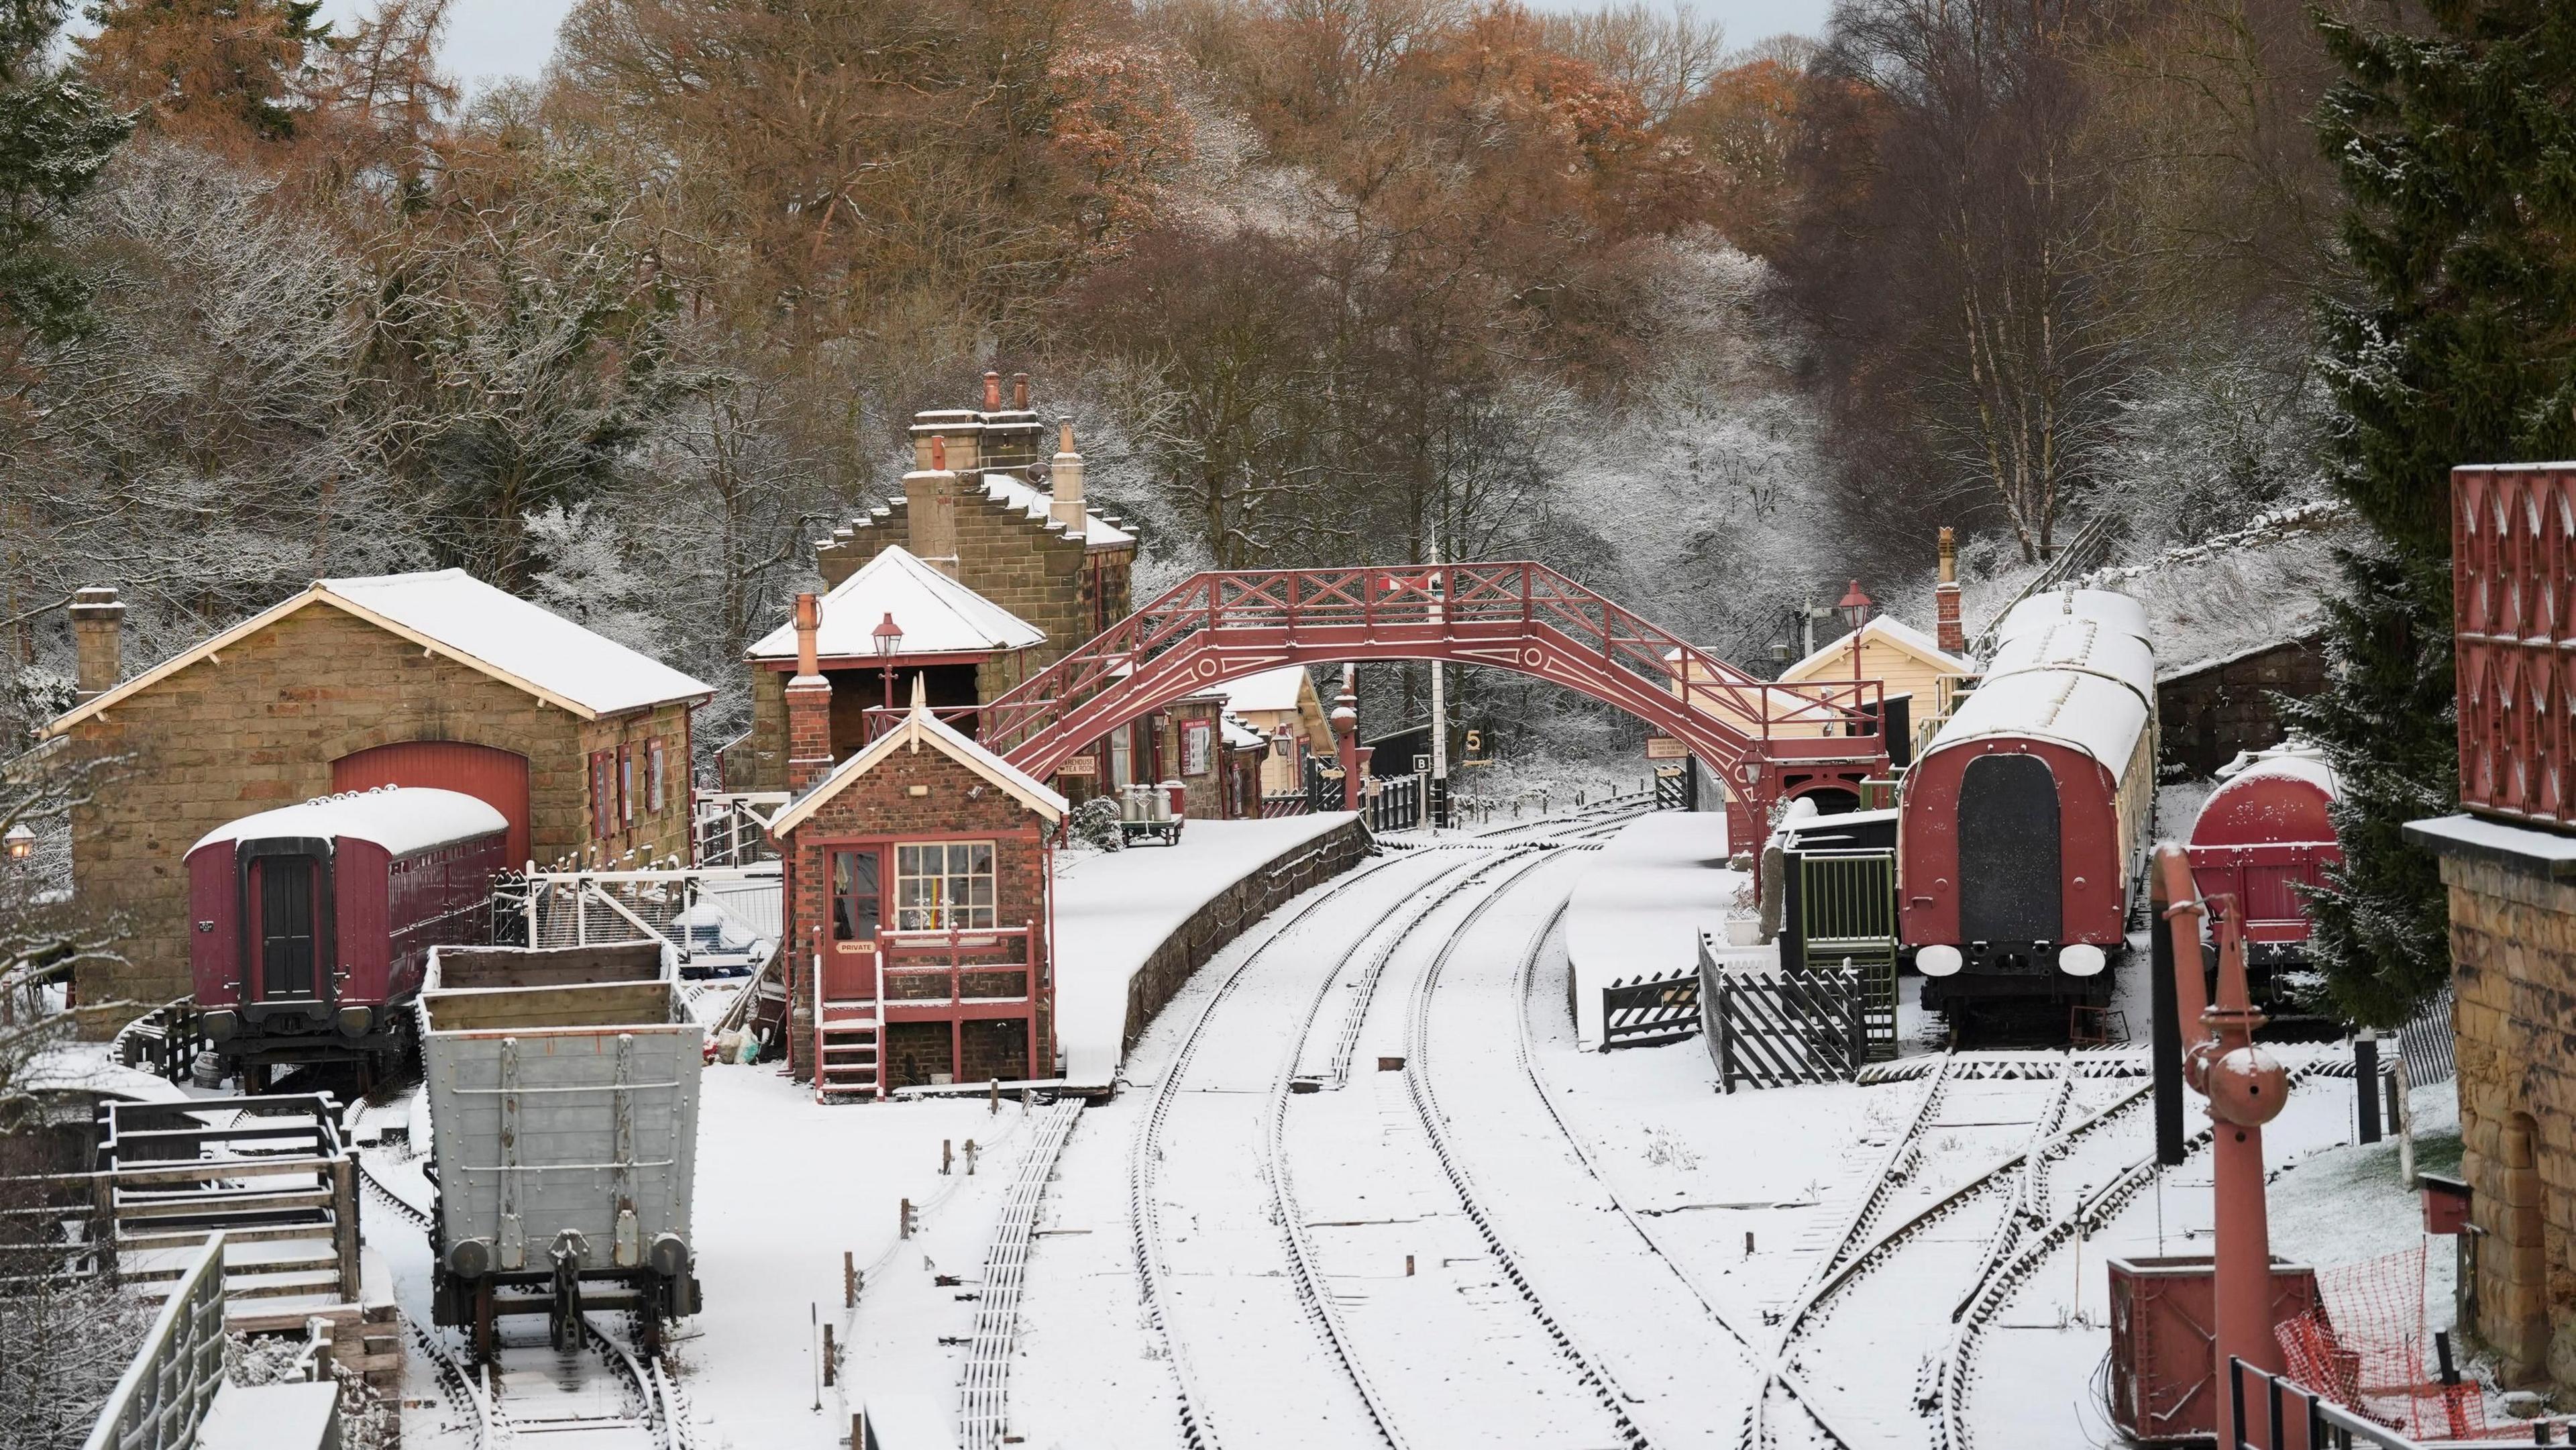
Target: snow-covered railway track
[(1880, 1305), (1228, 1255), (2101, 1202), (646, 1416), (1204, 1102)]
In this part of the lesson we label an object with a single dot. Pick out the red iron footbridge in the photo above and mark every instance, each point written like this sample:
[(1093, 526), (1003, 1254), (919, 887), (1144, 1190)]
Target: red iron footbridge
[(1766, 741)]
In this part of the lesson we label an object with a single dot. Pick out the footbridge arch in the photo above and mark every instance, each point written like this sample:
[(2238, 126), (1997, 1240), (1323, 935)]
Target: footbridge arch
[(1765, 740)]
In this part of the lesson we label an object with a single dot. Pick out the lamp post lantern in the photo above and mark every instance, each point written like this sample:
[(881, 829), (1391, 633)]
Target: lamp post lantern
[(20, 843), (888, 637), (1854, 607)]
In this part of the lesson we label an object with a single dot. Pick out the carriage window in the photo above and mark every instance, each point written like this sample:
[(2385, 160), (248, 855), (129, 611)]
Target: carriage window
[(944, 886), (854, 896)]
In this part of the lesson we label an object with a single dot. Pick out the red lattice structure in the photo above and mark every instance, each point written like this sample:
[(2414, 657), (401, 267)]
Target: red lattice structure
[(2364, 1348), (1767, 741), (2513, 551)]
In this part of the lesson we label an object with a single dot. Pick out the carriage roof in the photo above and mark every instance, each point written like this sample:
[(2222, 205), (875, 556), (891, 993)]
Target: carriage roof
[(400, 818)]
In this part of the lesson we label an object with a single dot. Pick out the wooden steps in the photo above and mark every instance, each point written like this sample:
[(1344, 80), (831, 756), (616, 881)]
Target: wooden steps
[(848, 1060)]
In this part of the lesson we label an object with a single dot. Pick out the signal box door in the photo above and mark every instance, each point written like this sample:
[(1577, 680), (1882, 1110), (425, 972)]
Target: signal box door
[(285, 935), (2011, 876)]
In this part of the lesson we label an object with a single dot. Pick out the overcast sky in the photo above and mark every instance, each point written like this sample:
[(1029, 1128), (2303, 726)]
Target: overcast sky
[(501, 38)]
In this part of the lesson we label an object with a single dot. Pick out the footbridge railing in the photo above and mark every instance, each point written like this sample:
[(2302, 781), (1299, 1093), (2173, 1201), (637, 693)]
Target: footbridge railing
[(1521, 616)]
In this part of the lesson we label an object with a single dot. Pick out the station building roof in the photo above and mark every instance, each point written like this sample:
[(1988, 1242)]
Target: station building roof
[(938, 615), (457, 615)]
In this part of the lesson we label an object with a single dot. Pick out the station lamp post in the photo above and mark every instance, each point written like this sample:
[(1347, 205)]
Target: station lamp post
[(19, 844), (1854, 607), (888, 637)]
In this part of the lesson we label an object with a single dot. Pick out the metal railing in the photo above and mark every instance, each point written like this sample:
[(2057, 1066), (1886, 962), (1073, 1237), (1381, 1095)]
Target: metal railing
[(586, 908), (1395, 802), (731, 827), (2274, 1413), (165, 1393), (2513, 542)]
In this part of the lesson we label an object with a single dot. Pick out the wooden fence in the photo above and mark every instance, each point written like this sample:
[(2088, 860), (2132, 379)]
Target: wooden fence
[(1775, 1027), (1649, 1010)]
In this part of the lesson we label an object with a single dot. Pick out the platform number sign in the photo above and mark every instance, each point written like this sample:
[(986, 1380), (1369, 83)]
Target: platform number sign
[(1422, 765), (1475, 742)]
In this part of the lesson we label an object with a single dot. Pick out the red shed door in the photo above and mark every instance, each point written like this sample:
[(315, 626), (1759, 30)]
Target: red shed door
[(498, 778)]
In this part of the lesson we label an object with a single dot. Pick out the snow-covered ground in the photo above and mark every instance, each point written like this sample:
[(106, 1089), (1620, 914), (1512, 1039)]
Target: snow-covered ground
[(1639, 910), (1114, 908)]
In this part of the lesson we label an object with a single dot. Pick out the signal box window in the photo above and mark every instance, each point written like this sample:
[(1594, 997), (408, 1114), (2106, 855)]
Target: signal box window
[(855, 898), (944, 886)]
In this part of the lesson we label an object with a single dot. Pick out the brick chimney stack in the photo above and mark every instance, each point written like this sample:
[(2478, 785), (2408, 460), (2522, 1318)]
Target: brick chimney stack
[(809, 705), (98, 623), (1064, 475), (1945, 598), (930, 494)]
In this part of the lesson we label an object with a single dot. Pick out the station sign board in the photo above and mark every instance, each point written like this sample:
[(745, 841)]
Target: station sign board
[(1080, 765), (1666, 747)]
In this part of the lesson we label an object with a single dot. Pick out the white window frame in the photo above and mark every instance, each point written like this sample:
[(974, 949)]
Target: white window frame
[(948, 902)]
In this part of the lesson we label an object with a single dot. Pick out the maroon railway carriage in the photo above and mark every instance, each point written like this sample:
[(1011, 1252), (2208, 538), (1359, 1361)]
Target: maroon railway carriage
[(311, 925), (2260, 837)]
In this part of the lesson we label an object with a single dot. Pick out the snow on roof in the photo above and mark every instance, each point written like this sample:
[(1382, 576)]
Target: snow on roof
[(1097, 532), (938, 614), (918, 728), (521, 641), (1240, 734), (1279, 689), (1892, 631), (483, 628), (2118, 611), (400, 818), (2294, 758), (2079, 643), (2098, 716)]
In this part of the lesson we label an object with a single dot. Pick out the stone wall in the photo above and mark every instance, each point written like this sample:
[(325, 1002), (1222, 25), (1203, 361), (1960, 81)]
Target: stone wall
[(1226, 914), (879, 807), (2211, 713), (2513, 953), (259, 727)]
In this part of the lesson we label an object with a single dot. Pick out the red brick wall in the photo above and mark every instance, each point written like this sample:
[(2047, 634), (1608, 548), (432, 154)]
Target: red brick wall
[(880, 807)]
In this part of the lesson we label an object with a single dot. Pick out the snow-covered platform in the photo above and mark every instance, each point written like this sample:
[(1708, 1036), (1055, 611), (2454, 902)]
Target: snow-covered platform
[(1114, 910), (1639, 910)]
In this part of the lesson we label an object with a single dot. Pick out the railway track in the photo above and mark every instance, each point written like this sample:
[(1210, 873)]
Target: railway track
[(1891, 1274), (1146, 1159), (650, 1414), (1216, 1082)]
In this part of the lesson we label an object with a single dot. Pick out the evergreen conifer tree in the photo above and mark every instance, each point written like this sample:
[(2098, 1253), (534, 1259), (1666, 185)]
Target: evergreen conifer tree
[(2457, 154), (55, 137)]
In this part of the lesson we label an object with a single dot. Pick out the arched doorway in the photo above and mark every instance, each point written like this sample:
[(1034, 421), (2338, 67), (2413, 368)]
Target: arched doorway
[(499, 778)]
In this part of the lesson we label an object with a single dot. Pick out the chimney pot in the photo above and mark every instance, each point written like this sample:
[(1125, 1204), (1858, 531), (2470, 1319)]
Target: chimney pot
[(98, 623), (992, 392), (1020, 391), (938, 452)]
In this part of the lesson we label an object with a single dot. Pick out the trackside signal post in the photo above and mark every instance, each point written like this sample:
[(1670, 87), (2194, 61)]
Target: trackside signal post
[(2246, 1087)]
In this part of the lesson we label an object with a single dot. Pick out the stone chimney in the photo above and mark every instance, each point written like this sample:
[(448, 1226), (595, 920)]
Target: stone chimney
[(930, 499), (809, 705), (98, 622), (1065, 474), (958, 431), (1945, 598)]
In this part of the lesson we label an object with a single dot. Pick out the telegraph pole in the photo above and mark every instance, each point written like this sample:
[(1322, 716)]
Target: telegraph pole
[(1439, 700)]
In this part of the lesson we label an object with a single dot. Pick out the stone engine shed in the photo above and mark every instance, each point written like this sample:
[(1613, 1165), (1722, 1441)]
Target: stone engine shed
[(432, 679)]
